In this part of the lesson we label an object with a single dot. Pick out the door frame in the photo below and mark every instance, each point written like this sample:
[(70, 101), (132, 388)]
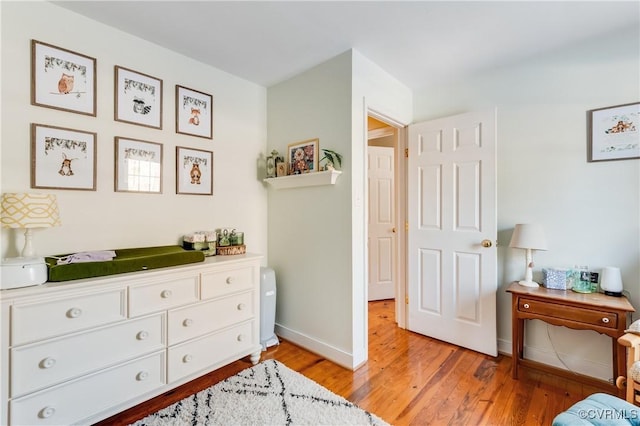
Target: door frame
[(401, 218)]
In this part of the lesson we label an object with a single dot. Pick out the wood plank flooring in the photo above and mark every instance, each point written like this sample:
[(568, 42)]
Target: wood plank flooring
[(410, 379)]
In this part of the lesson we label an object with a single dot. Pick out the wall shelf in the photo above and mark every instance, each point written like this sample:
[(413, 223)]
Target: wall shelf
[(328, 177)]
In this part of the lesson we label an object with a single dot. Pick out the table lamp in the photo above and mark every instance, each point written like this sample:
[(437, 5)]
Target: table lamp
[(611, 281), (529, 237), (28, 211)]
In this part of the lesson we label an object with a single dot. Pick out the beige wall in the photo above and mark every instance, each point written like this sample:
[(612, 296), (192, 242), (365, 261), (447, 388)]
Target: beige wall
[(104, 219)]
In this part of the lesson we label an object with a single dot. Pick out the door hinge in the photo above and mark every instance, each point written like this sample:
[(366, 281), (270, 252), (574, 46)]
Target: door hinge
[(406, 226), (406, 300), (406, 153)]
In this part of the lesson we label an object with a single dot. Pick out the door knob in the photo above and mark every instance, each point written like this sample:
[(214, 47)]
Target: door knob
[(393, 230), (486, 243)]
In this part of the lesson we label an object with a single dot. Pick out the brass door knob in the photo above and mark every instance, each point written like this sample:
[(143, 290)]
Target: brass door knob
[(487, 243)]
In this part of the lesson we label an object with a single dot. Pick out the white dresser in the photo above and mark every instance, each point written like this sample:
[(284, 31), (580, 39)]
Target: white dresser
[(81, 351)]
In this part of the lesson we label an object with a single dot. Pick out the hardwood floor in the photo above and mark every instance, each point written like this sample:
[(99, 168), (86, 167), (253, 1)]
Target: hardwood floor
[(410, 379)]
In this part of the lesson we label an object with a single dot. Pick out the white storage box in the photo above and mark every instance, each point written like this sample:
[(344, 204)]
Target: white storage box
[(22, 272), (557, 278)]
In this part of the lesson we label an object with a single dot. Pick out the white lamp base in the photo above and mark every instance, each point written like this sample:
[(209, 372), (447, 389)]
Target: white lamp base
[(529, 283)]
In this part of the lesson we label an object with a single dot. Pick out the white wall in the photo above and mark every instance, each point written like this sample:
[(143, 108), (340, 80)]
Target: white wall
[(317, 235), (310, 228), (105, 219), (590, 211)]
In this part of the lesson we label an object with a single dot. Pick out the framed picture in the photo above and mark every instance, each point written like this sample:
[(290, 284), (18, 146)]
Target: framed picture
[(614, 133), (138, 98), (194, 113), (138, 166), (281, 168), (62, 158), (62, 79), (303, 157), (194, 171)]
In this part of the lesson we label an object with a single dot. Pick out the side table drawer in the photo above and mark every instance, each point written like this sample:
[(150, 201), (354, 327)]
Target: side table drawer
[(566, 312)]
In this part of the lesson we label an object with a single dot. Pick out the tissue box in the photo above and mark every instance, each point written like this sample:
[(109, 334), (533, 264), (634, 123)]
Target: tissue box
[(557, 278)]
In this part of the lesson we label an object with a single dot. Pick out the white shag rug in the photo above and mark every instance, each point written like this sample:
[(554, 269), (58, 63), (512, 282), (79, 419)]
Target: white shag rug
[(269, 393)]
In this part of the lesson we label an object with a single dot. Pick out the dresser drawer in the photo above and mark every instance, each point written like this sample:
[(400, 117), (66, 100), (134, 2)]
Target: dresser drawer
[(191, 357), (189, 322), (144, 299), (77, 400), (566, 312), (216, 284), (37, 366), (42, 320)]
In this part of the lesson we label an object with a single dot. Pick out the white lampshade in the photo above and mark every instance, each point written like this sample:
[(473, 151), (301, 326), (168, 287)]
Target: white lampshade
[(28, 210), (611, 281), (528, 236)]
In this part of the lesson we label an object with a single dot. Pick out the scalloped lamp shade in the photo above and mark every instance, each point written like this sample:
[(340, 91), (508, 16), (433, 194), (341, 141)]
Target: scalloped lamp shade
[(28, 210)]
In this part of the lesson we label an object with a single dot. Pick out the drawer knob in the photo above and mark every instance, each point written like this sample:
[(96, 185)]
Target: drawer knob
[(188, 322), (605, 320), (142, 335), (166, 294), (230, 280), (241, 338), (46, 412), (526, 306), (47, 362), (241, 306), (74, 313), (187, 358), (143, 375)]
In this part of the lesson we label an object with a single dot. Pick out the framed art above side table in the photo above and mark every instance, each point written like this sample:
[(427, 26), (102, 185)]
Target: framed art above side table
[(614, 133)]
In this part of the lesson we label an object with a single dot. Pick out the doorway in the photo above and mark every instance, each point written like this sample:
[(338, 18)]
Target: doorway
[(386, 212)]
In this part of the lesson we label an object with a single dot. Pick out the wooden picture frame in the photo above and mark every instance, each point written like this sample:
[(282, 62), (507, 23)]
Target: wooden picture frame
[(303, 156), (614, 133), (62, 158), (138, 98), (62, 79), (194, 171), (138, 166), (194, 113)]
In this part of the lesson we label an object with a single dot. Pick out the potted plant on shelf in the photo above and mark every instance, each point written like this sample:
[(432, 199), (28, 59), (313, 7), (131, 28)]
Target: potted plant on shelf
[(331, 158)]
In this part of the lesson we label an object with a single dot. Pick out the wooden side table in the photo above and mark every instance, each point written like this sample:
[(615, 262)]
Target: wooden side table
[(581, 311)]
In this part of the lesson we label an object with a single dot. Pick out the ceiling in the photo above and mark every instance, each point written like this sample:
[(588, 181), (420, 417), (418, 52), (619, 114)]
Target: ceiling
[(420, 43)]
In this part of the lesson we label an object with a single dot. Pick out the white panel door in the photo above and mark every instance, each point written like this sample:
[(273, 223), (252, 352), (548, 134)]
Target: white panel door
[(452, 210), (382, 236)]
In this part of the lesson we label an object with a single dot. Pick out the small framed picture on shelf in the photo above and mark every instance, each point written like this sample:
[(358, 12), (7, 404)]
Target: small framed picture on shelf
[(303, 156), (62, 79), (281, 168), (194, 113), (138, 98), (194, 171), (138, 166), (62, 158), (614, 133)]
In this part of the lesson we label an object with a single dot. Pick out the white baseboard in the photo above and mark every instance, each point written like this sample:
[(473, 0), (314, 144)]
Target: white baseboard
[(311, 344), (600, 371)]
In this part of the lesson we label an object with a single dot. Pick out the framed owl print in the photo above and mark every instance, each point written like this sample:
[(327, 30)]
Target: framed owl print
[(62, 79), (138, 98)]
